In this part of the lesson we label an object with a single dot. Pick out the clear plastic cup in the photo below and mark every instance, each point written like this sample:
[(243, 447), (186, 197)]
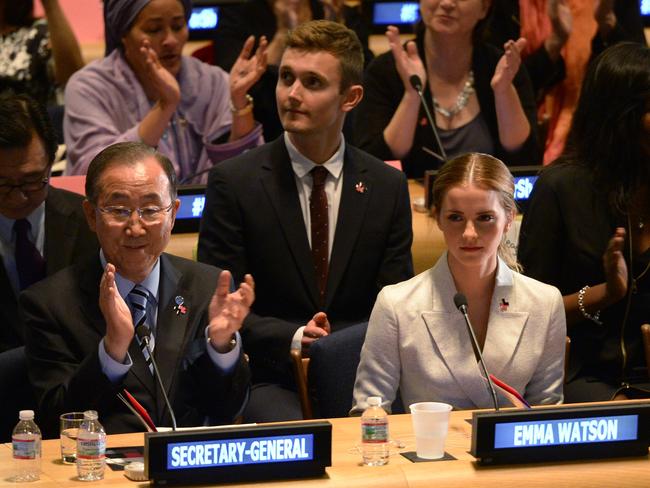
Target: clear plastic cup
[(69, 427), (430, 424)]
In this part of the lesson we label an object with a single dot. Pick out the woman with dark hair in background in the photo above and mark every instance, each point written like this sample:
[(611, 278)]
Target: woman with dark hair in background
[(483, 101), (146, 90), (418, 341), (36, 55), (587, 228)]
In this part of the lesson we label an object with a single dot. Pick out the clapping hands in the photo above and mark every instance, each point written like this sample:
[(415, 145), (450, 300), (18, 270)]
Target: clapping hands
[(247, 70), (228, 310), (508, 65), (407, 59)]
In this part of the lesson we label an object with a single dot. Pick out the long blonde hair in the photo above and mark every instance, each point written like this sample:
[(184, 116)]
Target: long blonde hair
[(486, 172)]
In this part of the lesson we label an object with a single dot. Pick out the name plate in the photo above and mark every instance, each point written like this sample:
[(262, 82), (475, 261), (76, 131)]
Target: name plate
[(238, 453), (552, 434)]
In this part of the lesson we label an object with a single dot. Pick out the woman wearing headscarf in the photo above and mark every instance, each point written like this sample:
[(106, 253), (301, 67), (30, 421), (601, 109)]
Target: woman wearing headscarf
[(146, 90)]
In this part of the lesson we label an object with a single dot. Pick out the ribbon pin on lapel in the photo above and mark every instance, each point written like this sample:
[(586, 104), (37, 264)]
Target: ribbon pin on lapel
[(360, 187), (503, 306), (180, 309)]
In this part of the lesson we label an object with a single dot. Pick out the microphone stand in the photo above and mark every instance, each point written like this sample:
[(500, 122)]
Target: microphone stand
[(416, 83), (461, 303), (143, 333)]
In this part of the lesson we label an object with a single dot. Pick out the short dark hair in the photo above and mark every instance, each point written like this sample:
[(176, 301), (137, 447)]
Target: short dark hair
[(334, 38), (607, 127), (21, 117), (125, 154)]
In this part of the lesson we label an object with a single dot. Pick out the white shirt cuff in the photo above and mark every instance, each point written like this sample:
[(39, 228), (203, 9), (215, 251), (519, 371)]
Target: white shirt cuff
[(225, 361), (114, 370)]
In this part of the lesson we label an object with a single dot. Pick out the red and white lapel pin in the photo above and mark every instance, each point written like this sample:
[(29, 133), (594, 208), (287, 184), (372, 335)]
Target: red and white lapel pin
[(180, 307), (360, 187), (503, 306)]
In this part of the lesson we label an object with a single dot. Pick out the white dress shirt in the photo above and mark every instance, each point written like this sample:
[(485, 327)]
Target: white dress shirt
[(302, 167)]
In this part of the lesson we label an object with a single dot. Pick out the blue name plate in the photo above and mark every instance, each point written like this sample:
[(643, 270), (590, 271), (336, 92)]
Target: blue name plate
[(231, 452), (561, 433), (239, 453)]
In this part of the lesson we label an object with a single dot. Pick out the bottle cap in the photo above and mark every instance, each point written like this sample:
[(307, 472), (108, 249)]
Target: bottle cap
[(374, 401), (135, 471), (90, 415), (26, 415)]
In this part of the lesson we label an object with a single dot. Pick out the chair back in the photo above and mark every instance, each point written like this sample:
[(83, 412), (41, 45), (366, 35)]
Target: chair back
[(333, 369)]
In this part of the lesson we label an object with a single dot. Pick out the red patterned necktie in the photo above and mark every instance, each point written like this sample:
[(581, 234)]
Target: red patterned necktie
[(319, 228)]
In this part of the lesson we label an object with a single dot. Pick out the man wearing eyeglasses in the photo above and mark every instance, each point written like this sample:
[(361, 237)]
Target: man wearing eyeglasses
[(42, 229), (81, 325)]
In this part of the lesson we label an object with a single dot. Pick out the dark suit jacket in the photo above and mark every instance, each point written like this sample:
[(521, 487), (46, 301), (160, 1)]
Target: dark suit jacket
[(64, 326), (253, 223), (67, 238)]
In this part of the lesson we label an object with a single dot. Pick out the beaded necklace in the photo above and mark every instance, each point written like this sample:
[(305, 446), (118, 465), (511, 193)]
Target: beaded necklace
[(461, 100)]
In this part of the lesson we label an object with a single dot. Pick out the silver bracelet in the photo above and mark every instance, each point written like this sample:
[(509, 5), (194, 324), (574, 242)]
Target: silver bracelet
[(581, 306)]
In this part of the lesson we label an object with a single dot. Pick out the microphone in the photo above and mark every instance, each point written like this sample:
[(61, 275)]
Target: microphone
[(460, 301), (188, 178), (416, 83), (143, 333)]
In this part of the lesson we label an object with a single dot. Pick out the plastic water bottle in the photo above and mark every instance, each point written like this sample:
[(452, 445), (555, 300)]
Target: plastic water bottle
[(91, 448), (374, 434), (26, 442)]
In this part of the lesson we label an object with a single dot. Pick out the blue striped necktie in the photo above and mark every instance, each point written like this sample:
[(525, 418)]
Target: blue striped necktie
[(139, 297)]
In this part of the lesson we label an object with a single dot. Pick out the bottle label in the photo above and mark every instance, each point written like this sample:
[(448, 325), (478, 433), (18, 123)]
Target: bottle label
[(25, 448), (374, 430), (91, 448)]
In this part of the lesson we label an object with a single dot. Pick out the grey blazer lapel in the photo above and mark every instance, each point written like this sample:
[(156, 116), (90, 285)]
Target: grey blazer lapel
[(502, 340), (280, 185), (449, 333), (352, 211)]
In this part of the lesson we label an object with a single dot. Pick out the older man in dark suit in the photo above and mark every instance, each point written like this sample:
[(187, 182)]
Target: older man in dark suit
[(322, 225), (80, 340)]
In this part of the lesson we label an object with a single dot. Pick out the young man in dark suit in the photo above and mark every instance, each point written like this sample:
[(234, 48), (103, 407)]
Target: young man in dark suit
[(56, 227), (322, 225), (80, 339)]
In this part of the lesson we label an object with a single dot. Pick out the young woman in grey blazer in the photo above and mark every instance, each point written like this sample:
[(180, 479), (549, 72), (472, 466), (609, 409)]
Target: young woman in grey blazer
[(417, 340)]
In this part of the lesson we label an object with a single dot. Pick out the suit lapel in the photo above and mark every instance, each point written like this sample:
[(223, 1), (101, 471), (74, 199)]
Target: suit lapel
[(449, 333), (502, 339), (453, 341), (280, 185), (59, 227), (352, 211), (171, 328), (90, 308)]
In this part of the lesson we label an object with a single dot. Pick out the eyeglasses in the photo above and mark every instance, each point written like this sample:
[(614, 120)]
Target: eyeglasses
[(25, 188), (149, 215)]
